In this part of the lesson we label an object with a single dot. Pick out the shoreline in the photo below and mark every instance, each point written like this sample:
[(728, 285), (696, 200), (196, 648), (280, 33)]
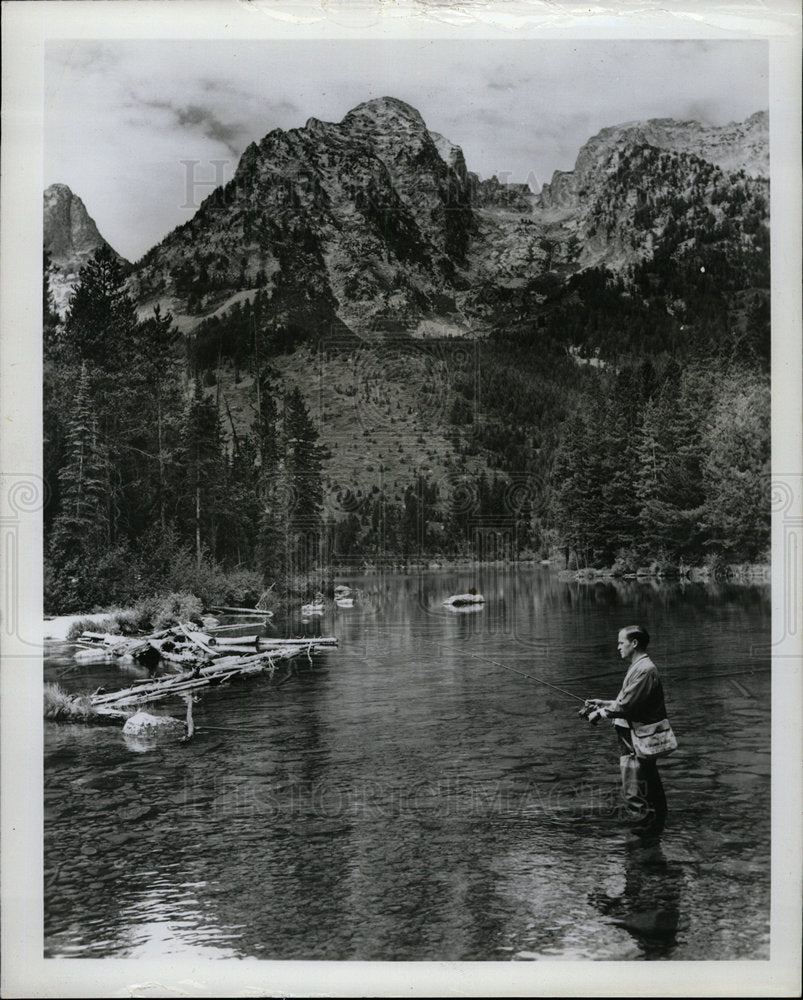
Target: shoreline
[(55, 628), (747, 573)]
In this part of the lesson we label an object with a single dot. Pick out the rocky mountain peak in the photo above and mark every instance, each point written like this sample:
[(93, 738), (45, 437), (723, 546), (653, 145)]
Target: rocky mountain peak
[(374, 225), (733, 147), (70, 234), (382, 113)]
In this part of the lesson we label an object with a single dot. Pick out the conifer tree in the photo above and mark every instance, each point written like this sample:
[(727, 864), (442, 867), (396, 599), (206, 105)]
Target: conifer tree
[(580, 482), (411, 527), (203, 468), (58, 387), (736, 470), (303, 459), (152, 394), (50, 318), (81, 529), (101, 316), (671, 456), (277, 497)]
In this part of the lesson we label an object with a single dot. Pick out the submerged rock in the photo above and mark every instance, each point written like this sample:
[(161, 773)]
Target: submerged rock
[(145, 724)]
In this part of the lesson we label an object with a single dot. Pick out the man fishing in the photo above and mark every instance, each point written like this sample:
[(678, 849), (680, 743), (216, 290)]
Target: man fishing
[(639, 716)]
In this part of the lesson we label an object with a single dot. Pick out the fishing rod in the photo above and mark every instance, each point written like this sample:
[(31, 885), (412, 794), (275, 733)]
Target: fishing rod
[(532, 677), (555, 687)]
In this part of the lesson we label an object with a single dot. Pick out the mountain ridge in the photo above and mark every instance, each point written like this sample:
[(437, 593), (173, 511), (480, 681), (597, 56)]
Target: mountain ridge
[(463, 348), (375, 225)]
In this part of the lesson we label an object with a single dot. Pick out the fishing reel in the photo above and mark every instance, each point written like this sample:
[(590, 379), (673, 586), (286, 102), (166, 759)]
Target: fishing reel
[(588, 709)]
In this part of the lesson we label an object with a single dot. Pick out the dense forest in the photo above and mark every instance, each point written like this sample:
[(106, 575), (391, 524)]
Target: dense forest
[(612, 431)]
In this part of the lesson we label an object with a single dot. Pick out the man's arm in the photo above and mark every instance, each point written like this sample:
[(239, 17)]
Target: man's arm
[(636, 687)]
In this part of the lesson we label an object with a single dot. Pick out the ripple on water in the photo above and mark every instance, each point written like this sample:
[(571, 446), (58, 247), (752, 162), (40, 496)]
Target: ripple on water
[(403, 806)]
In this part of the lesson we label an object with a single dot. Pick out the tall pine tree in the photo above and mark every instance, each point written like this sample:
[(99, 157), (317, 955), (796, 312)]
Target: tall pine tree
[(204, 468), (82, 526), (101, 316)]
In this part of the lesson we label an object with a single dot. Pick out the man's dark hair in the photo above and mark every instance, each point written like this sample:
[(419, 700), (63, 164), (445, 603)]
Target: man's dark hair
[(639, 634)]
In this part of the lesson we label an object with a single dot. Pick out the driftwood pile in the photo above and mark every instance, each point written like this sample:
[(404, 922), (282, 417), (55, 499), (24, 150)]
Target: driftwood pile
[(202, 660)]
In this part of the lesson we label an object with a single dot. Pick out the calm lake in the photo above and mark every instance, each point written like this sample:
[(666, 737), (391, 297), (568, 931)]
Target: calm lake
[(400, 797)]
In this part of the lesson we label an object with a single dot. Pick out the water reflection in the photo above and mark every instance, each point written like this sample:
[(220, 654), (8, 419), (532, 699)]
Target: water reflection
[(401, 797), (649, 902)]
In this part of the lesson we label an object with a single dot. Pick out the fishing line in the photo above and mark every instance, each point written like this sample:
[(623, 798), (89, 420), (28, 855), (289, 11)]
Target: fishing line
[(587, 677), (532, 677)]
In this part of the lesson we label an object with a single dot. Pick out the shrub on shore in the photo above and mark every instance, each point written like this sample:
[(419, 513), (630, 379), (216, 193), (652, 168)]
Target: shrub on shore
[(59, 705), (161, 564), (150, 614), (172, 609), (107, 625)]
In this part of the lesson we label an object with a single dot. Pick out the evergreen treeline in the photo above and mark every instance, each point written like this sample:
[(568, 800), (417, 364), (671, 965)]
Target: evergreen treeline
[(147, 496), (657, 449), (674, 468)]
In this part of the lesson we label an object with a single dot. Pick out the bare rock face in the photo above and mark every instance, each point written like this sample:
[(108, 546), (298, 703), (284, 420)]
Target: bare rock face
[(560, 192), (70, 237), (70, 234), (635, 185), (368, 218), (450, 153), (492, 193), (145, 725), (737, 146), (373, 226)]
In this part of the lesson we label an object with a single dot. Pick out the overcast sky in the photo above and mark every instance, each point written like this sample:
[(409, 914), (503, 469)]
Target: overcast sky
[(120, 117)]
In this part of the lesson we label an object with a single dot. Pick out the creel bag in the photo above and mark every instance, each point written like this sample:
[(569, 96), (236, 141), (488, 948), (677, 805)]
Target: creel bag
[(654, 739)]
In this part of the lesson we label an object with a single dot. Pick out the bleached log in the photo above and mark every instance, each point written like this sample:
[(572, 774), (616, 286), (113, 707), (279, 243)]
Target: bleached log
[(218, 671), (243, 611), (318, 640), (199, 639)]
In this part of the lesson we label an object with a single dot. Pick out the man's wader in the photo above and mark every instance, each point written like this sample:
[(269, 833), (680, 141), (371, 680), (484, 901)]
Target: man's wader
[(642, 788)]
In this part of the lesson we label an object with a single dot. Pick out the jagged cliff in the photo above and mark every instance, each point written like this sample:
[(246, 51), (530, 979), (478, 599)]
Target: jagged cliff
[(360, 222), (70, 237), (374, 226)]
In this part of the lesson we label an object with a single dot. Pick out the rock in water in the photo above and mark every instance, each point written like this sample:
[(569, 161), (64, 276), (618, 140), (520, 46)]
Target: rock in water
[(145, 724)]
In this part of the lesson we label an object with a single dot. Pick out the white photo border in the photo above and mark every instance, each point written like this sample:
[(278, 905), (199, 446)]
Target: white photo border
[(27, 26)]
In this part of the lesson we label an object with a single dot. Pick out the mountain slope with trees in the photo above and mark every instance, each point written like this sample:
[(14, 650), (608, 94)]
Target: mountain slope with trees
[(355, 352)]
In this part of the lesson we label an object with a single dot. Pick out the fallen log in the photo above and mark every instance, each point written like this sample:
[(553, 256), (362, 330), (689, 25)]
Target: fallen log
[(249, 644), (236, 647), (318, 640), (249, 638), (214, 672), (200, 640), (243, 611), (108, 644), (234, 631), (93, 654)]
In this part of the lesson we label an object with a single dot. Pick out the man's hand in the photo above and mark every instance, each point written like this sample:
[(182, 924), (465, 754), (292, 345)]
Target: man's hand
[(595, 709)]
